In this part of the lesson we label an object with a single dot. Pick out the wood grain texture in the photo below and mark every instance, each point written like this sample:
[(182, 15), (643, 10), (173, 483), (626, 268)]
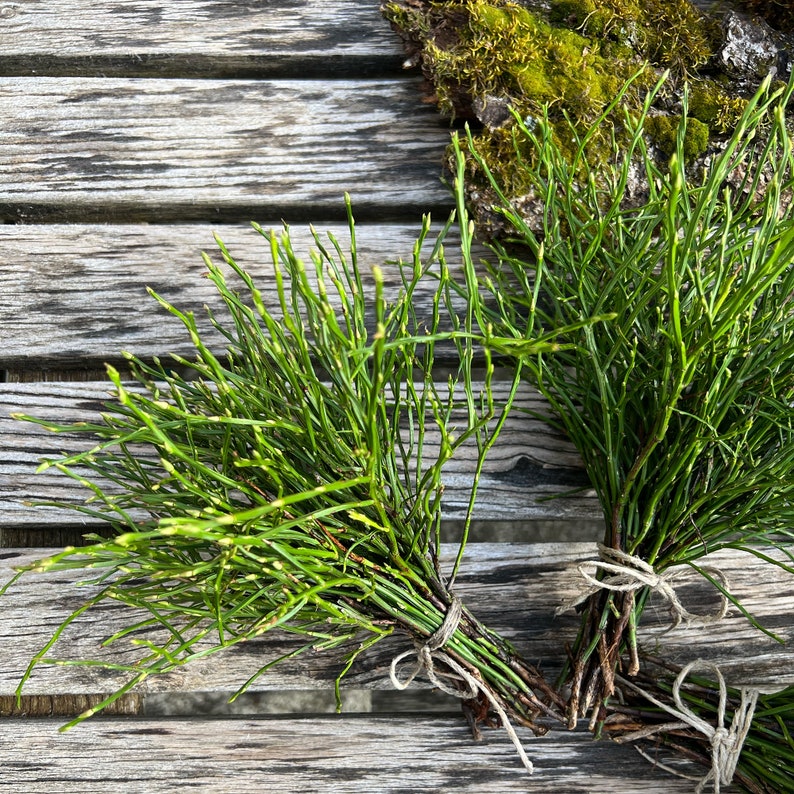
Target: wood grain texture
[(201, 149), (75, 295), (323, 115), (341, 754), (530, 463), (195, 38), (512, 588)]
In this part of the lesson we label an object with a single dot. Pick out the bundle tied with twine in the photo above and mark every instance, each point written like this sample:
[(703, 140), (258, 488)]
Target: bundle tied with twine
[(295, 481), (742, 735), (449, 681), (725, 743), (682, 406), (627, 573)]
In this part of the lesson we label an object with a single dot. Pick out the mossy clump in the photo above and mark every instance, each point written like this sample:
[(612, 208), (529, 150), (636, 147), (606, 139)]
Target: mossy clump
[(668, 33), (506, 49), (714, 106), (576, 60), (475, 51), (663, 131)]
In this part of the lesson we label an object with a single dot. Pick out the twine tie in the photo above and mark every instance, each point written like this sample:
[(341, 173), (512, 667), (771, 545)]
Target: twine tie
[(629, 573), (430, 651), (726, 743)]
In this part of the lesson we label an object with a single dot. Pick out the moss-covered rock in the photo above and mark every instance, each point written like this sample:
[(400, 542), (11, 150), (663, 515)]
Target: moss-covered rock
[(501, 48), (574, 57)]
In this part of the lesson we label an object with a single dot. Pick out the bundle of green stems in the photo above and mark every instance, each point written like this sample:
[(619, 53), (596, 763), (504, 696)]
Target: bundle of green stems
[(294, 482), (682, 406)]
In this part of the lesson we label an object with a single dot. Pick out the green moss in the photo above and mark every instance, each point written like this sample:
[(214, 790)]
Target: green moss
[(663, 131), (714, 106), (574, 60), (668, 33), (411, 20), (506, 49), (571, 13)]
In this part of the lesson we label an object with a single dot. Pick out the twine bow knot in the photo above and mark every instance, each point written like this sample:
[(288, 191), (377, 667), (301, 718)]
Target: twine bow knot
[(723, 743), (726, 743), (629, 572), (430, 651)]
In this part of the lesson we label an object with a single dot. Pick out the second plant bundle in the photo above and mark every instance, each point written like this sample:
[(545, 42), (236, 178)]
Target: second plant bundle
[(682, 407)]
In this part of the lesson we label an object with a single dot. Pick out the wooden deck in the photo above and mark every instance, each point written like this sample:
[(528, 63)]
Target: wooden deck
[(130, 133)]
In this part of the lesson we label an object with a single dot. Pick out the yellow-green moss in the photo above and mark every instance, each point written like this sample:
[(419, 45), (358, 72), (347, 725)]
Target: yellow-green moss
[(574, 60), (711, 104), (668, 33), (410, 20), (504, 49), (663, 131)]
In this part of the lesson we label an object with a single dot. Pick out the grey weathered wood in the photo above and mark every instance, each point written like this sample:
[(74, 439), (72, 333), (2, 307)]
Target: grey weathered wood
[(202, 149), (346, 755), (195, 37), (530, 463), (182, 150), (512, 588), (75, 295)]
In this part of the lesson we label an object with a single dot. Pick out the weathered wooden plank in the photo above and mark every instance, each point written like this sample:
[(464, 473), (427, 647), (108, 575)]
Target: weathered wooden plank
[(347, 755), (195, 37), (75, 295), (513, 588), (530, 463), (199, 149)]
